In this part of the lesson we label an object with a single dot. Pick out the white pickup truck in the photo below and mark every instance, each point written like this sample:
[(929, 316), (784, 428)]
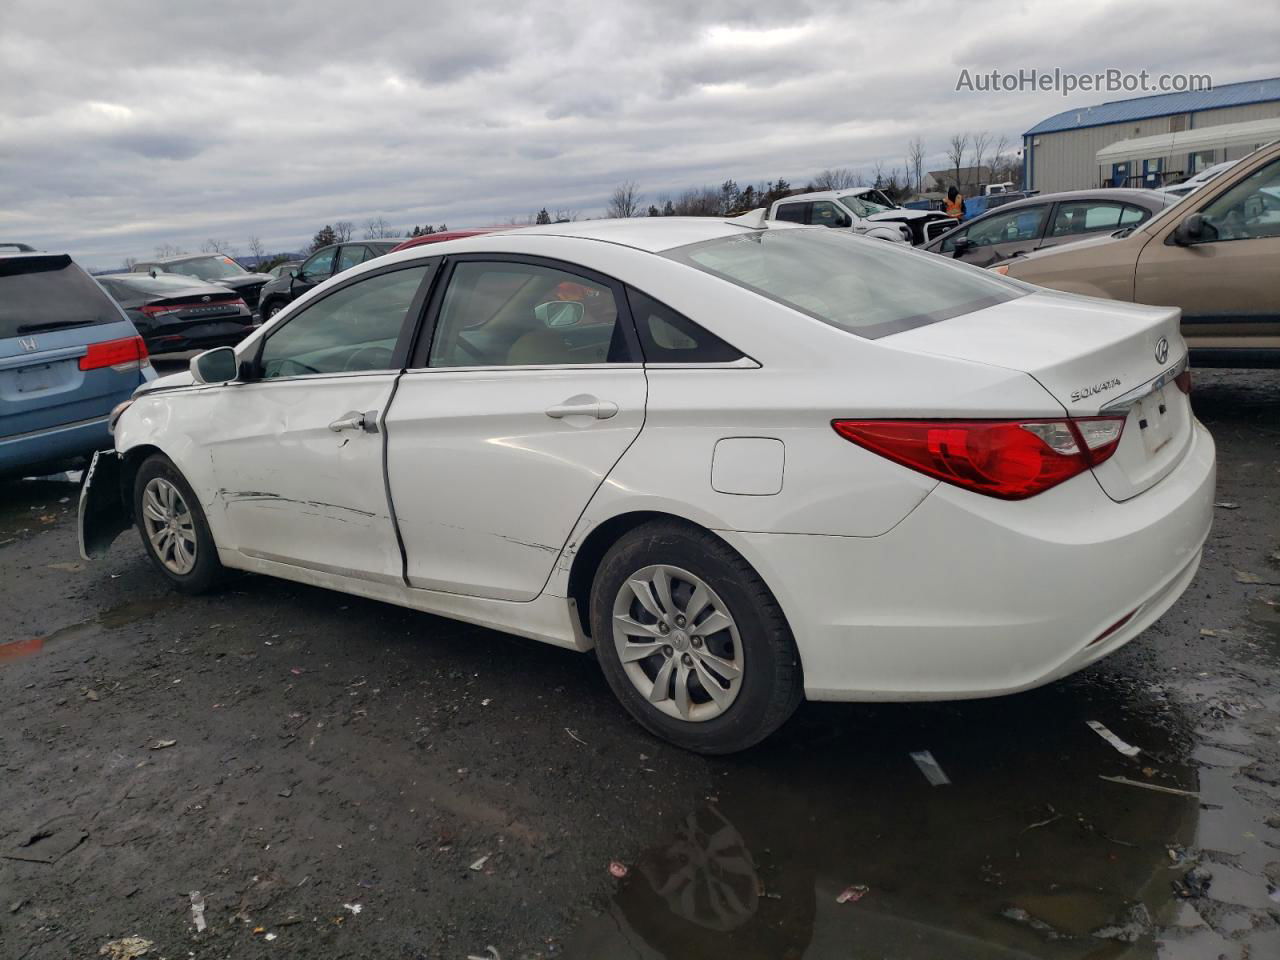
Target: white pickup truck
[(864, 210)]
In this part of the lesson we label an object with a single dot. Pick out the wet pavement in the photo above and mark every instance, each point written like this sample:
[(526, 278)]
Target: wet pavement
[(341, 778)]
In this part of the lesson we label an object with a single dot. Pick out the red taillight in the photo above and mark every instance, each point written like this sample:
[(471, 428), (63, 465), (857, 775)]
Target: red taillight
[(1010, 459), (1183, 380), (126, 354), (157, 310)]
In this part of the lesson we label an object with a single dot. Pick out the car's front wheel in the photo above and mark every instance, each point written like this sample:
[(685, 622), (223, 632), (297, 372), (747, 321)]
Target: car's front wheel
[(173, 528), (692, 641), (270, 309)]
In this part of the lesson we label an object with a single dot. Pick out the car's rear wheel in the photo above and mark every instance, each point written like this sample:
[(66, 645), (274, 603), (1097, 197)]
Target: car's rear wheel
[(270, 309), (173, 528), (692, 641)]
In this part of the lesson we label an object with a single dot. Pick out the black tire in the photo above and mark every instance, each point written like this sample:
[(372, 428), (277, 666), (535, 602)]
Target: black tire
[(207, 571), (270, 309), (772, 683)]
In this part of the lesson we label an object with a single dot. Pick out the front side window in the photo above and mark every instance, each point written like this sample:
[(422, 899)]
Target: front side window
[(670, 337), (351, 330), (865, 287), (509, 314), (827, 214), (1023, 223), (1249, 210), (318, 267)]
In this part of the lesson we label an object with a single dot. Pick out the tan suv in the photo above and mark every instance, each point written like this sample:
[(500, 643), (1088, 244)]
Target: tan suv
[(1215, 254)]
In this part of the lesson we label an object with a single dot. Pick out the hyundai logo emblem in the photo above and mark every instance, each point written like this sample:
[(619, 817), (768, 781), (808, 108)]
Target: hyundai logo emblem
[(204, 299), (1162, 350)]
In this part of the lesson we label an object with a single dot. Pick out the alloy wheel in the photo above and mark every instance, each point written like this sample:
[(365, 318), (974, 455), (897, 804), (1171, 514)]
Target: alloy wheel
[(169, 525), (678, 643)]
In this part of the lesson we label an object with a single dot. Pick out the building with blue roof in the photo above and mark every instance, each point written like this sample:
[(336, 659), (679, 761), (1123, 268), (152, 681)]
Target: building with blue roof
[(1061, 152)]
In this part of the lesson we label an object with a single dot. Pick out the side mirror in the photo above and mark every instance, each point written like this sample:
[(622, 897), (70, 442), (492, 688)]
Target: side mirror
[(961, 246), (295, 273), (218, 365), (560, 313), (1193, 229)]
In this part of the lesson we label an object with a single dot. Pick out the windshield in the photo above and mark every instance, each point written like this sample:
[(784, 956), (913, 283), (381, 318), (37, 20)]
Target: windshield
[(49, 293), (206, 268), (866, 287), (865, 204)]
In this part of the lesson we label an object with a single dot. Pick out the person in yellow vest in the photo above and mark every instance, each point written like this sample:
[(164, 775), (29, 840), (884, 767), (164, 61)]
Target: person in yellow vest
[(953, 206)]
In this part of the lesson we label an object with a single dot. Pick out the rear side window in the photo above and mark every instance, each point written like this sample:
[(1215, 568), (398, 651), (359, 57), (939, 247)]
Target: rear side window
[(49, 293), (793, 212), (865, 287), (670, 337)]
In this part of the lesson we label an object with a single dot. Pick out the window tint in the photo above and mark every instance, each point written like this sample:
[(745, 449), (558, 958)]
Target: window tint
[(792, 212), (1024, 223), (1131, 215), (352, 329), (351, 255), (1248, 210), (318, 267), (505, 314), (49, 293), (867, 287), (670, 337), (827, 214)]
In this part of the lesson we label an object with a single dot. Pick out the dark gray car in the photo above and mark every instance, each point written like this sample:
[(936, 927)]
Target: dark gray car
[(1047, 220)]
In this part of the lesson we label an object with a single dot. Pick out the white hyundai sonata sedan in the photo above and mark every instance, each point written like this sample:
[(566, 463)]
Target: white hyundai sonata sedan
[(744, 462)]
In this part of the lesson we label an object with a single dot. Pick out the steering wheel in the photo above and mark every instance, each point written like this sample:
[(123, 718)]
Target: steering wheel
[(383, 359)]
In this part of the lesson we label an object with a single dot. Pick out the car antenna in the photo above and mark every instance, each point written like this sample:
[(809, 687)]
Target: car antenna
[(755, 220)]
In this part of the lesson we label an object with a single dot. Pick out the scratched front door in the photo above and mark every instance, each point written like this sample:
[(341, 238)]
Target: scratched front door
[(296, 491)]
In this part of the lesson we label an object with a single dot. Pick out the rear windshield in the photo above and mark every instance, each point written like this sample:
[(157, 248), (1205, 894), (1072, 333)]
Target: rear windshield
[(872, 288), (49, 293), (205, 268)]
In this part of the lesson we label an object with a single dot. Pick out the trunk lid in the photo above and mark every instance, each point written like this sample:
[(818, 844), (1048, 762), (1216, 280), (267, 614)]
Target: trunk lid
[(1097, 358)]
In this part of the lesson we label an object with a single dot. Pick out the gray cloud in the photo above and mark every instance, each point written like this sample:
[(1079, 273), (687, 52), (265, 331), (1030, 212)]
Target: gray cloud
[(135, 123)]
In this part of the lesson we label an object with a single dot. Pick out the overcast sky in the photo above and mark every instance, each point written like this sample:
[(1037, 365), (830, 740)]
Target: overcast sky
[(125, 124)]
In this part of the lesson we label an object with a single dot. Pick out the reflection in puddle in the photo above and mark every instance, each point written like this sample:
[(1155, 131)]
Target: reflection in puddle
[(119, 616), (1026, 853)]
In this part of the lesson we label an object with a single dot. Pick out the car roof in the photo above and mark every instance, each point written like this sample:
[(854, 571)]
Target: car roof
[(654, 234), (1118, 194)]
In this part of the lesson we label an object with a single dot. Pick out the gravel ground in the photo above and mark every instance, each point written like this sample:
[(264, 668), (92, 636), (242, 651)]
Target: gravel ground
[(340, 778)]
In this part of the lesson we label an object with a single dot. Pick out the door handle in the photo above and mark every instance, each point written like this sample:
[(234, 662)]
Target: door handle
[(355, 420), (584, 406)]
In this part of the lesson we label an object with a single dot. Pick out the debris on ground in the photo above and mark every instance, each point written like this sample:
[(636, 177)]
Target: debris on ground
[(490, 953), (125, 949), (1194, 884), (853, 893), (575, 736), (1227, 505), (91, 695), (1135, 924), (197, 910), (163, 744), (354, 908), (1177, 792), (1244, 576), (1018, 915), (479, 864), (618, 869), (1101, 730), (930, 767), (1205, 632)]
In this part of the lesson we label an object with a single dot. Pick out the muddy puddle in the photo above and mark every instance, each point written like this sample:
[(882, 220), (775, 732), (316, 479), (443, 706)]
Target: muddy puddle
[(119, 616), (832, 842)]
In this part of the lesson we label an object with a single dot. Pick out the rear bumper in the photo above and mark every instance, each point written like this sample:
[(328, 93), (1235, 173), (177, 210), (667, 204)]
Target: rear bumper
[(53, 445), (973, 597)]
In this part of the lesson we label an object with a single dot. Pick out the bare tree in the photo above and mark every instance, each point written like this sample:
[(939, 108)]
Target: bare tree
[(343, 230), (956, 147), (915, 164), (129, 262), (1003, 167), (377, 228), (223, 247), (981, 143), (625, 200), (256, 249), (840, 178), (169, 250), (566, 216)]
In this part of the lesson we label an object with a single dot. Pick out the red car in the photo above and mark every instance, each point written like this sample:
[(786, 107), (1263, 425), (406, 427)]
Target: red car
[(446, 235)]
